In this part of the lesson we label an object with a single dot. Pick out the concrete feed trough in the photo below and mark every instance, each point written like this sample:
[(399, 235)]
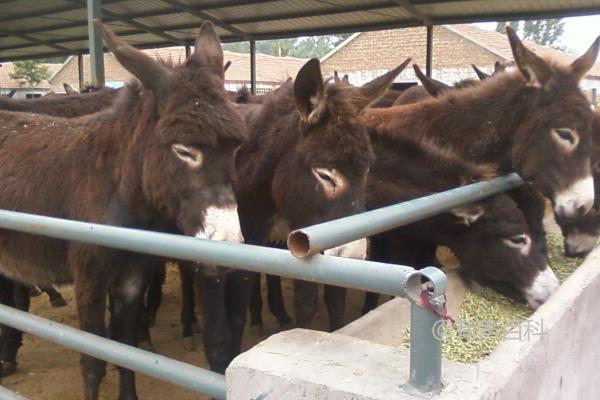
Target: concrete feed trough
[(363, 361)]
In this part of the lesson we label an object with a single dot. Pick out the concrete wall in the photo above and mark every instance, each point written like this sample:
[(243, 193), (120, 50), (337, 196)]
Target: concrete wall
[(561, 363)]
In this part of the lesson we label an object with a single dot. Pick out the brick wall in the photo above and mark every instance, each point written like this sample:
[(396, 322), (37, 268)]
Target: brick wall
[(69, 74), (374, 52)]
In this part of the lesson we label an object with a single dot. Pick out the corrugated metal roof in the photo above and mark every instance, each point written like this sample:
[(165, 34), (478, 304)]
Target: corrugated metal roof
[(33, 28)]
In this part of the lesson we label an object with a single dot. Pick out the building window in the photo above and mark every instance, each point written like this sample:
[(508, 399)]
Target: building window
[(33, 95)]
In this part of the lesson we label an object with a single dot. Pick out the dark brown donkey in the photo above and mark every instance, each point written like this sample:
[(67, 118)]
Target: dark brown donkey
[(306, 162), (535, 121), (67, 106), (161, 159)]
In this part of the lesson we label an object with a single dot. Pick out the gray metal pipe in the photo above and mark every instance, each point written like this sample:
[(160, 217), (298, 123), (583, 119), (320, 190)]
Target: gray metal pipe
[(185, 375), (317, 238), (395, 280), (425, 350), (6, 394)]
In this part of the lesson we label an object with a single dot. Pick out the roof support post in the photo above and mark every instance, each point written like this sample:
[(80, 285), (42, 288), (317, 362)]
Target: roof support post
[(94, 11), (188, 51), (80, 70), (429, 55), (253, 67)]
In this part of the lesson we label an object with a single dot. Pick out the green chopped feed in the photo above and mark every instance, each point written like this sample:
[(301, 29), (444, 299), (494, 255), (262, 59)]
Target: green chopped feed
[(487, 317)]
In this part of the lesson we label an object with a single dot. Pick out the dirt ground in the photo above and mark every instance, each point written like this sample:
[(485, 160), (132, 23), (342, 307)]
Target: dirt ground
[(50, 372)]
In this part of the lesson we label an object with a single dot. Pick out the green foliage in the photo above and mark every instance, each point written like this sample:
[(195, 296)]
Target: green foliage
[(546, 32), (29, 71), (304, 47)]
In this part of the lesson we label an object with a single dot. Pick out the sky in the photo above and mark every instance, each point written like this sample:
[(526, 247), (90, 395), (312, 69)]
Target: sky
[(580, 32)]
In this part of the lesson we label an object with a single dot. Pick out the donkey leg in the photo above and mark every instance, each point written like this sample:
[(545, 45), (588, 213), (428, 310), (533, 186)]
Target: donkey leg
[(154, 296), (371, 302), (217, 335), (256, 305), (276, 302), (91, 289), (335, 299), (126, 295), (186, 273), (305, 302), (237, 296), (14, 295)]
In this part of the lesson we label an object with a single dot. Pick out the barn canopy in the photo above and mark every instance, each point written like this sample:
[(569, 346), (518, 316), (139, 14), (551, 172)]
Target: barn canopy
[(34, 28)]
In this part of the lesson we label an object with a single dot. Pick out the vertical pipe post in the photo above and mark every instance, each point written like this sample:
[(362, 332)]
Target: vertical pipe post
[(188, 51), (80, 71), (253, 67), (425, 349), (94, 11), (429, 55)]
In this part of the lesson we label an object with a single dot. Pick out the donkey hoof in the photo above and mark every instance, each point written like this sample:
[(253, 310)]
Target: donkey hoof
[(257, 330), (196, 327), (58, 302), (189, 344), (8, 368), (34, 291), (147, 345)]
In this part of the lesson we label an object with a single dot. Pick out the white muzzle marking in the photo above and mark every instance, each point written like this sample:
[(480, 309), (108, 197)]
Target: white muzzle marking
[(221, 223), (579, 243), (356, 250), (579, 196), (544, 284)]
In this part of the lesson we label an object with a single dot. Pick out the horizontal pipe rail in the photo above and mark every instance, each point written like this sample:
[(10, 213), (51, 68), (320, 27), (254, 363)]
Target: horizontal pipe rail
[(6, 394), (394, 280), (317, 238), (185, 375)]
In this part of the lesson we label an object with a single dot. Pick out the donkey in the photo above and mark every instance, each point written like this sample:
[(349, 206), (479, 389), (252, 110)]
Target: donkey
[(67, 106), (491, 238), (535, 121), (306, 162), (161, 158)]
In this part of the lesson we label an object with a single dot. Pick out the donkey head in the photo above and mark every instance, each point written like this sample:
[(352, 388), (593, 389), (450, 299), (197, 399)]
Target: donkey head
[(551, 145), (581, 233), (323, 177), (185, 137), (509, 262)]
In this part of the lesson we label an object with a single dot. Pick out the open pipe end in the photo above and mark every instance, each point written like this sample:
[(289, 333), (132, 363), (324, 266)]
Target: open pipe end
[(299, 244)]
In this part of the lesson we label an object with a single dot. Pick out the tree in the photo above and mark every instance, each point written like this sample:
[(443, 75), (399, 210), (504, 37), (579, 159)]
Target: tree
[(546, 32), (30, 71), (304, 47)]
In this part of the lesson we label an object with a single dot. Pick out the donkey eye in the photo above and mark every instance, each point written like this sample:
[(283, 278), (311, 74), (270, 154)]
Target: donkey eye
[(566, 137), (517, 241), (191, 156), (326, 177)]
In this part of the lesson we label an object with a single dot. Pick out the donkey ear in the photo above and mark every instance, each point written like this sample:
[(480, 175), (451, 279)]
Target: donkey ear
[(208, 50), (584, 63), (432, 86), (372, 91), (309, 91), (153, 75), (482, 75), (467, 214), (498, 68), (69, 89), (536, 71), (346, 79), (226, 66)]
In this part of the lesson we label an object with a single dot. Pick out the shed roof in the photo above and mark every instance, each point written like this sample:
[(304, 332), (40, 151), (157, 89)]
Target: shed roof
[(33, 28)]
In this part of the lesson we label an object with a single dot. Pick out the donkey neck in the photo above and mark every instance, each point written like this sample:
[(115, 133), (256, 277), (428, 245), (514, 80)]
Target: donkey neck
[(478, 123)]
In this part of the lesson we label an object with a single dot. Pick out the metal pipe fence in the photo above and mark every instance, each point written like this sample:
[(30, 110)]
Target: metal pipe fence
[(395, 280)]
